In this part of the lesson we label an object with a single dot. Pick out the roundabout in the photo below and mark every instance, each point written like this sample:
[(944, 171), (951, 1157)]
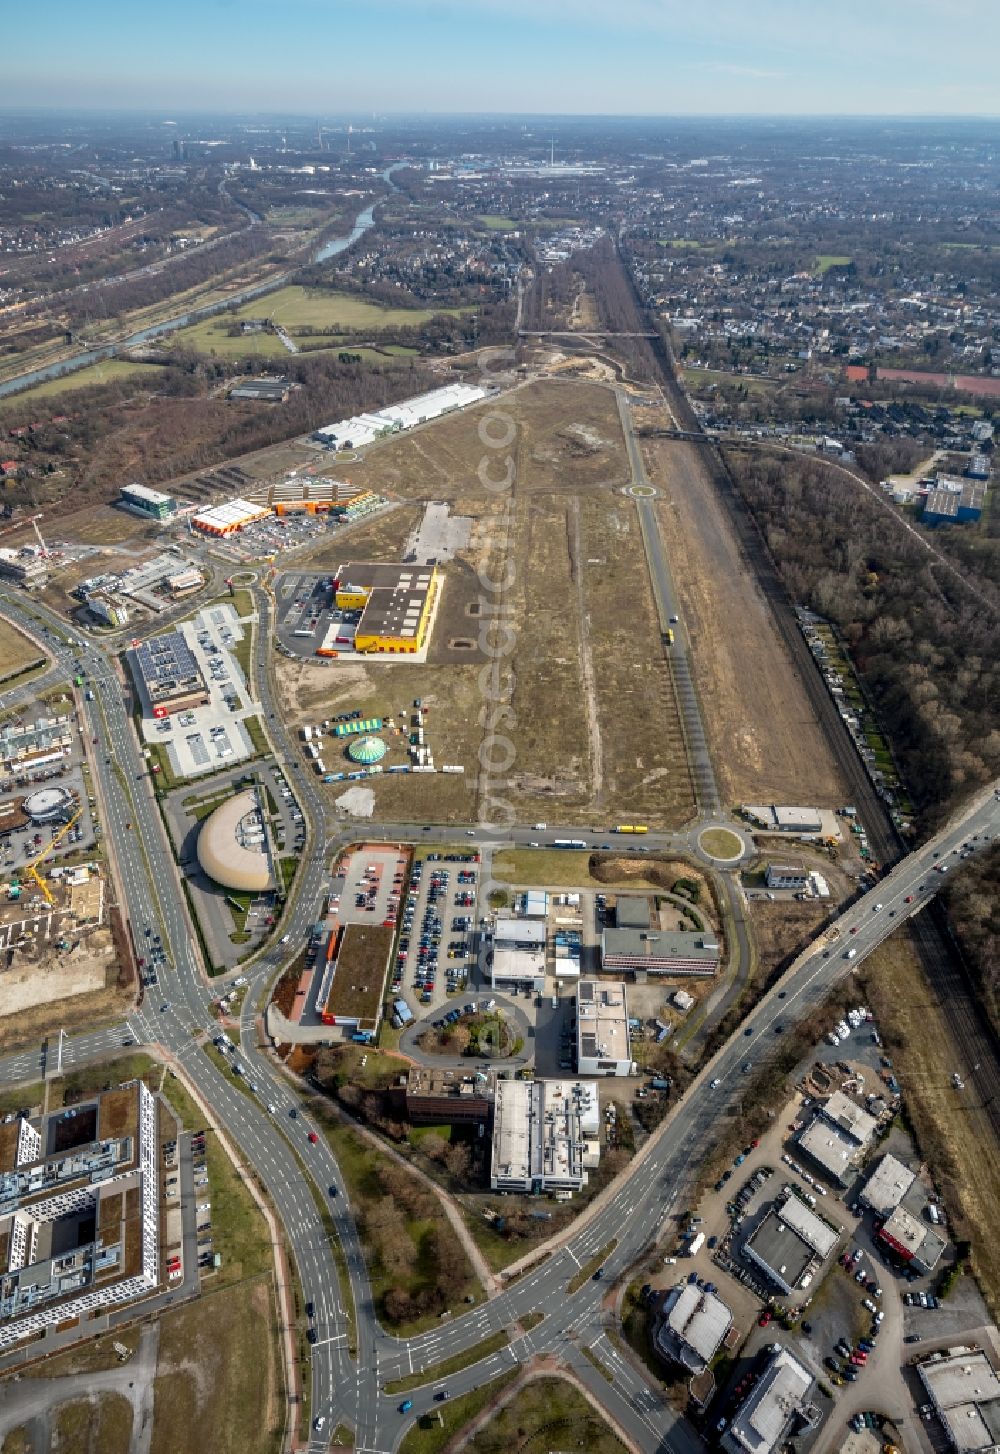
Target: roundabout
[(721, 845)]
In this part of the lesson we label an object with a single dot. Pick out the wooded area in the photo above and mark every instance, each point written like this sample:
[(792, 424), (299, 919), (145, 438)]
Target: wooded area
[(927, 650)]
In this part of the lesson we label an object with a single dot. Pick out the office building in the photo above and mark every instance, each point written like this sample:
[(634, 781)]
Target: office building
[(659, 951), (152, 504), (107, 609), (692, 1326), (786, 876), (602, 1033), (447, 1097), (545, 1135)]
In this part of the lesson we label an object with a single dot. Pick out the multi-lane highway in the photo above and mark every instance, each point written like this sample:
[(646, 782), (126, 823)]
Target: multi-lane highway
[(297, 1174)]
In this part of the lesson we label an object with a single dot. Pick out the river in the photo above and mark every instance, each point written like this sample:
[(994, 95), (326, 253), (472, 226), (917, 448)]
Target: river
[(362, 223)]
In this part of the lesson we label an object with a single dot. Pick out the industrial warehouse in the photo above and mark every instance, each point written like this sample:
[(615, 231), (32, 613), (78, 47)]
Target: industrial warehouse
[(229, 518), (791, 1243), (397, 606), (79, 1211), (362, 429)]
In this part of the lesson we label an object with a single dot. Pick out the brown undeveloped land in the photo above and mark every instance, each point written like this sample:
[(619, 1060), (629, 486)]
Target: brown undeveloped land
[(766, 743), (217, 1375), (584, 694), (17, 653), (567, 437), (953, 1132)]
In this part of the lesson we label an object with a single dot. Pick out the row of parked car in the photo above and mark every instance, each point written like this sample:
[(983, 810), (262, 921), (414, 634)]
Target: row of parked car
[(472, 1008)]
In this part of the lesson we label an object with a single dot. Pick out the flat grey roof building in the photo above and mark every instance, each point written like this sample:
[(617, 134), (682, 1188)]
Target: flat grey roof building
[(887, 1185), (965, 1391), (693, 1326)]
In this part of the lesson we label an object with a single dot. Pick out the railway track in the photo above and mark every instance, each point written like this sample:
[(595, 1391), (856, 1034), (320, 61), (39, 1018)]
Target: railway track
[(947, 974)]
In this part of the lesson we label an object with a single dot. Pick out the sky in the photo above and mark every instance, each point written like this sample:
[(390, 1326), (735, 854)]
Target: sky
[(588, 57)]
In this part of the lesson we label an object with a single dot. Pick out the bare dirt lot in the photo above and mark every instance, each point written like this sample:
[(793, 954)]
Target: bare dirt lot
[(29, 983), (311, 692), (765, 741), (566, 436), (589, 710)]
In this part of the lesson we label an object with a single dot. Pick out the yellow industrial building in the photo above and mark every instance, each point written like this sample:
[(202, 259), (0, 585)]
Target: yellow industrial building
[(396, 603)]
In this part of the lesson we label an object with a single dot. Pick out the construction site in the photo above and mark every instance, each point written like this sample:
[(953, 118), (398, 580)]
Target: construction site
[(57, 939)]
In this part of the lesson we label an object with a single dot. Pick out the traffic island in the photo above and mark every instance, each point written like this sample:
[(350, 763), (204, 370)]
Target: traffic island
[(722, 845)]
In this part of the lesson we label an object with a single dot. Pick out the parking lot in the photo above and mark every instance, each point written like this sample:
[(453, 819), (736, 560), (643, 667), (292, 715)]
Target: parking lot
[(213, 736), (438, 924), (277, 534), (305, 613)]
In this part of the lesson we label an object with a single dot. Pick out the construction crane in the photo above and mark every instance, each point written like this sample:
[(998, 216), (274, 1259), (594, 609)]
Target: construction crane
[(32, 868), (20, 525)]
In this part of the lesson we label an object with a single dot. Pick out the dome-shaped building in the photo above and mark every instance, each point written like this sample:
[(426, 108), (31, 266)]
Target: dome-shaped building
[(367, 750), (48, 804), (233, 845)]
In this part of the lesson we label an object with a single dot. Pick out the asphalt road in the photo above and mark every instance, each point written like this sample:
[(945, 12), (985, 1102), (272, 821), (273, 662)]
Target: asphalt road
[(297, 1175)]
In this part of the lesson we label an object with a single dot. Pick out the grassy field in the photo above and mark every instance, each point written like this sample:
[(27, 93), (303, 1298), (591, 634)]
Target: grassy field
[(560, 867), (752, 384), (493, 222), (720, 843), (828, 260), (430, 1434), (954, 1135), (295, 308), (571, 868), (108, 371), (17, 653), (217, 1381), (104, 1424), (545, 1414)]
